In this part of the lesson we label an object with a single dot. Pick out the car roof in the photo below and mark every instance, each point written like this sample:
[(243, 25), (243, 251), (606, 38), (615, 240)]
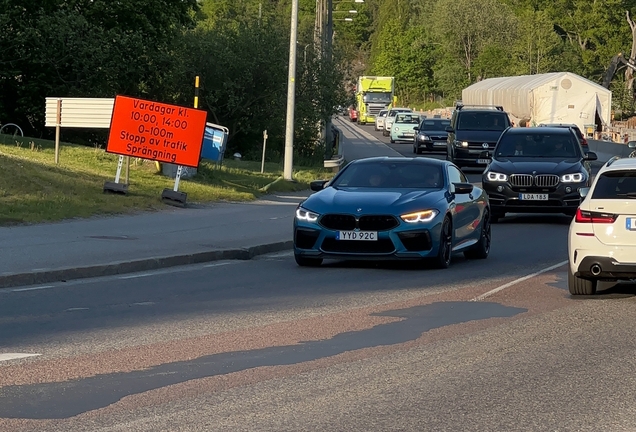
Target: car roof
[(543, 129), (559, 125), (420, 160), (619, 164)]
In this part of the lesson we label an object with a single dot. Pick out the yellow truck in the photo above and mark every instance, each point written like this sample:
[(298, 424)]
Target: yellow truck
[(373, 94)]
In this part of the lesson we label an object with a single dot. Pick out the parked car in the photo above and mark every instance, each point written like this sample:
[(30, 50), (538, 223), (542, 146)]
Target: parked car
[(632, 145), (602, 235), (430, 135), (390, 117), (474, 129), (389, 208), (379, 120), (576, 130), (536, 169), (403, 127)]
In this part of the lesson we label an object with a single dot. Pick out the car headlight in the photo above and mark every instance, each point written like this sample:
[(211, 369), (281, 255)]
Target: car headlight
[(306, 215), (572, 178), (424, 138), (495, 176), (461, 143), (396, 129), (420, 216)]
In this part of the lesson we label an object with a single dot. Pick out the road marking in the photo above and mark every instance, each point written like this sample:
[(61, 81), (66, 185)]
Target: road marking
[(148, 303), (136, 276), (15, 356), (32, 288), (75, 309), (516, 281), (219, 264)]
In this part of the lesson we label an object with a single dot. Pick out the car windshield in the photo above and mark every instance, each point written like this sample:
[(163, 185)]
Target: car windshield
[(482, 121), (615, 185), (382, 113), (373, 97), (537, 144), (395, 112), (390, 175), (434, 125), (412, 119)]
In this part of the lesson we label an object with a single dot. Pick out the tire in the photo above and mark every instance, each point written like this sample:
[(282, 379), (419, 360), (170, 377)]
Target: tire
[(482, 248), (445, 253), (392, 141), (362, 123), (580, 286), (307, 262), (415, 150)]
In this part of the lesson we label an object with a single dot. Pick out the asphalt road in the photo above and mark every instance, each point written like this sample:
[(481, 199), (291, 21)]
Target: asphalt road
[(493, 345)]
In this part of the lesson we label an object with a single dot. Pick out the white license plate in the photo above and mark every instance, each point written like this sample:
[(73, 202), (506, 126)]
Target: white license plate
[(630, 224), (533, 197), (483, 161), (357, 235), (409, 134)]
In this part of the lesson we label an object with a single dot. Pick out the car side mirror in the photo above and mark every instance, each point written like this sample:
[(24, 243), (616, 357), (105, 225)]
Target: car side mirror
[(584, 191), (415, 128), (590, 156), (484, 155), (449, 129), (631, 144), (463, 188), (317, 185)]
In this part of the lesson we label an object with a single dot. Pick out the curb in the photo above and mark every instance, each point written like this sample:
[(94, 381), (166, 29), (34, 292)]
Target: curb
[(154, 263)]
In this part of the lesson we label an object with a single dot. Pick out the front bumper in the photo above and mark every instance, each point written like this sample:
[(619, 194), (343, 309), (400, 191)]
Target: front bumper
[(402, 136), (466, 156), (404, 242), (508, 199), (430, 145)]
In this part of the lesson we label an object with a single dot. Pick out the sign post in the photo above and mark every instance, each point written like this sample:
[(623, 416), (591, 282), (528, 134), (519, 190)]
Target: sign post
[(58, 122), (156, 131), (264, 145)]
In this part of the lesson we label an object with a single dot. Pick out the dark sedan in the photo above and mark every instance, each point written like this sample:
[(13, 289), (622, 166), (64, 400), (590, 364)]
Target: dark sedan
[(536, 170), (431, 135)]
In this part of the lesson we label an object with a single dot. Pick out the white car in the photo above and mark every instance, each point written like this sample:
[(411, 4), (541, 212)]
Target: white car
[(390, 118), (602, 236), (379, 120)]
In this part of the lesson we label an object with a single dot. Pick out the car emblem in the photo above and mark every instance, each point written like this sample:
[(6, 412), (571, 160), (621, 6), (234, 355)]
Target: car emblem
[(485, 145), (359, 210), (534, 172)]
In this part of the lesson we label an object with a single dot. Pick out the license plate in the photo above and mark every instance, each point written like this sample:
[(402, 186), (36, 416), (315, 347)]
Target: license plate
[(357, 235), (409, 134), (631, 224), (483, 161), (533, 197)]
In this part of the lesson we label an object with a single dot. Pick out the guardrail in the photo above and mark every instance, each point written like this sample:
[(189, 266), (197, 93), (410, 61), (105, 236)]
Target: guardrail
[(337, 158)]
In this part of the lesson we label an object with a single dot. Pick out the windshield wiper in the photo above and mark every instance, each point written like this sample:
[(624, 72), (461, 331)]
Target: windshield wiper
[(627, 194)]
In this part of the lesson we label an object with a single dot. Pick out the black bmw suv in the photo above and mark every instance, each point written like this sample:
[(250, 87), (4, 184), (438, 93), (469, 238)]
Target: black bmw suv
[(473, 129), (536, 170)]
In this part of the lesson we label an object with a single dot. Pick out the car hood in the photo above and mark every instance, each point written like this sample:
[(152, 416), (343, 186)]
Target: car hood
[(433, 132), (478, 136), (516, 165), (372, 201)]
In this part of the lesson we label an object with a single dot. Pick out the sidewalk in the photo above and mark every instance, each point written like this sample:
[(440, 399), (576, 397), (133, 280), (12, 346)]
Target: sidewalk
[(45, 253)]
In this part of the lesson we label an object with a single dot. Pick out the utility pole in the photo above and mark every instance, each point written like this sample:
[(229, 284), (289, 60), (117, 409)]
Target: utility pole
[(291, 95), (329, 49)]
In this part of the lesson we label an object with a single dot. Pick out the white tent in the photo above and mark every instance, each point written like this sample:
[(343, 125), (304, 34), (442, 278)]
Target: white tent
[(558, 97)]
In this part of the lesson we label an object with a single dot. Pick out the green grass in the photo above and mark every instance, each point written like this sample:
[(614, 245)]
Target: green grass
[(34, 189)]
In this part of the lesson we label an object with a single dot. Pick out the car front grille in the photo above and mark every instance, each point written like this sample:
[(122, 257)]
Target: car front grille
[(306, 239), (364, 223), (480, 145), (380, 246), (416, 241), (527, 180)]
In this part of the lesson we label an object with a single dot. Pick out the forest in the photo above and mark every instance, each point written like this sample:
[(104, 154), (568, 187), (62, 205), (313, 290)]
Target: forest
[(153, 49)]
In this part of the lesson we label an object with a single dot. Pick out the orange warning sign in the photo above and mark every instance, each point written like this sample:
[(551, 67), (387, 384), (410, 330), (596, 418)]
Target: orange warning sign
[(156, 131)]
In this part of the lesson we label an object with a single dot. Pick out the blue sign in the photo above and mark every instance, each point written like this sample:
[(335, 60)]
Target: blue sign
[(214, 141)]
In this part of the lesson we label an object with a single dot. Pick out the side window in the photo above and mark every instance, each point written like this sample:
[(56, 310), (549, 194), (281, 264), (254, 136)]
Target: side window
[(456, 176)]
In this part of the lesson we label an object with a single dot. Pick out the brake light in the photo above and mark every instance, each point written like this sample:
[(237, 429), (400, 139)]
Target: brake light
[(583, 216)]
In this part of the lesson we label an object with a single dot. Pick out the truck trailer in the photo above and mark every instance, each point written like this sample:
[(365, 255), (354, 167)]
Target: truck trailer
[(373, 94)]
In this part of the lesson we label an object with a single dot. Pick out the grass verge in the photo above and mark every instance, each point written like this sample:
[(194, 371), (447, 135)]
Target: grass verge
[(33, 189)]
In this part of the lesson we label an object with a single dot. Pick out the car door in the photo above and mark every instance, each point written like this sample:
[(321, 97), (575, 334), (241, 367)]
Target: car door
[(466, 212)]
